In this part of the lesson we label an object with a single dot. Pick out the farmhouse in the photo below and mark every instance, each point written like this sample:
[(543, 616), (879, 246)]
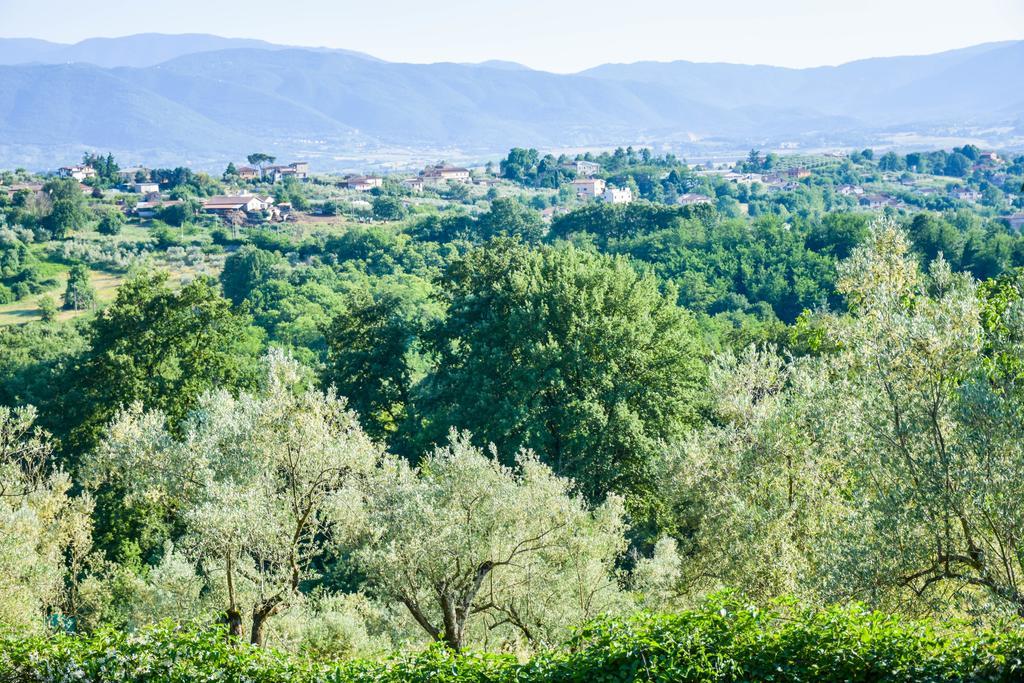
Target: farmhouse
[(248, 203), (442, 173), (589, 188), (363, 183), (248, 173), (148, 209), (414, 184), (850, 190), (798, 173), (129, 175)]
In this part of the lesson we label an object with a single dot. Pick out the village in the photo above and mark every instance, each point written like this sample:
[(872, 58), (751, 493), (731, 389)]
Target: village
[(250, 194)]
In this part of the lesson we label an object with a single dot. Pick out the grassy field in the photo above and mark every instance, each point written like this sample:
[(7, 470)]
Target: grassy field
[(27, 309)]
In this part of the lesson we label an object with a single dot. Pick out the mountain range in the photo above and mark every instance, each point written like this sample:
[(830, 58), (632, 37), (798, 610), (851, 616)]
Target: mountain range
[(203, 99)]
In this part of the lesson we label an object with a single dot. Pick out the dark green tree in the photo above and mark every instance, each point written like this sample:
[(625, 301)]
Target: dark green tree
[(508, 217), (67, 207), (79, 295), (374, 353), (247, 269), (111, 222), (569, 353), (388, 208)]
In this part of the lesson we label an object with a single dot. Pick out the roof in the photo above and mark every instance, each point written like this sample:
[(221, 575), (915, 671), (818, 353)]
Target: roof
[(226, 202)]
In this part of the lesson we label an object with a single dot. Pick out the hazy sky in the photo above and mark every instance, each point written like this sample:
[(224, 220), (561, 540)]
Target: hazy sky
[(550, 34)]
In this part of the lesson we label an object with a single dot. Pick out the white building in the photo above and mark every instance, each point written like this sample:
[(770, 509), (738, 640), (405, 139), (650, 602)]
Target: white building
[(145, 188), (79, 173), (618, 195)]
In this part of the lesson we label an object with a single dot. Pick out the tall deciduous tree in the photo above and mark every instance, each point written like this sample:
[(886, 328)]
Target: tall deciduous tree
[(573, 355), (67, 207)]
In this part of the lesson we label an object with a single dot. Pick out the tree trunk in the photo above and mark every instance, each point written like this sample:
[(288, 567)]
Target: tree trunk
[(259, 627), (234, 621)]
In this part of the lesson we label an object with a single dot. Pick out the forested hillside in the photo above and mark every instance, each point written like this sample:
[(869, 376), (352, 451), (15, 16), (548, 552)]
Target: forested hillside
[(446, 434)]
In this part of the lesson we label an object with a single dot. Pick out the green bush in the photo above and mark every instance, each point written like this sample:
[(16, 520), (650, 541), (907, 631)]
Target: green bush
[(725, 641)]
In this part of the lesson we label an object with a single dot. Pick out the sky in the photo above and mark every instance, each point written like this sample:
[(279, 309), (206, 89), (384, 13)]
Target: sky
[(551, 34)]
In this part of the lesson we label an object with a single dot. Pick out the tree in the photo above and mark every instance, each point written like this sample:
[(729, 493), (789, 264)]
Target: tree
[(47, 309), (573, 355), (230, 173), (891, 161), (44, 531), (67, 207), (259, 160), (520, 165), (374, 353), (510, 218), (957, 165), (179, 214), (464, 542), (257, 482), (79, 294), (247, 269), (388, 208), (160, 347), (111, 222)]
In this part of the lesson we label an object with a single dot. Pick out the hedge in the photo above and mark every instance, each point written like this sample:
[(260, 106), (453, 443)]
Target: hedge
[(725, 641)]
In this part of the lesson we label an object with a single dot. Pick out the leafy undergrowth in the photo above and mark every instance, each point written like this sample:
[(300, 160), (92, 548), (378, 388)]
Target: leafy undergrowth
[(724, 641)]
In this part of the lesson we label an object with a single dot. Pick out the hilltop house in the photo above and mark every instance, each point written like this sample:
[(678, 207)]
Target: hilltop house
[(691, 198), (589, 188), (79, 173), (618, 195), (798, 173), (584, 168), (442, 173), (363, 183), (878, 201), (248, 173), (298, 170)]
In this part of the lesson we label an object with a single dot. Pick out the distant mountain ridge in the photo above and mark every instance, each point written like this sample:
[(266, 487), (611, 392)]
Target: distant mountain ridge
[(204, 99)]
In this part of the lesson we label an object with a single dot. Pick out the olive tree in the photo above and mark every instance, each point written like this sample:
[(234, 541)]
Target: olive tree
[(759, 483), (469, 545), (44, 531), (254, 481), (935, 446)]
